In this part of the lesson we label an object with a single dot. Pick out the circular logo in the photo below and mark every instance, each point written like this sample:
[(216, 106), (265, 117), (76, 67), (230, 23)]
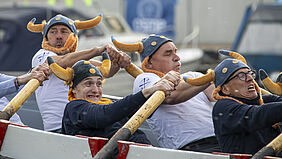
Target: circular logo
[(70, 23), (224, 70), (235, 61), (92, 70)]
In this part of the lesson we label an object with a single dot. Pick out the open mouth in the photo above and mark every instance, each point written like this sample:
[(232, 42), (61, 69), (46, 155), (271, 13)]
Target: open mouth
[(59, 45), (251, 87)]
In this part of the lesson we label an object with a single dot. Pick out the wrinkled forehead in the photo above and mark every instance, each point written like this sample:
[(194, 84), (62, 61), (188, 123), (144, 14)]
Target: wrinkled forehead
[(166, 47), (59, 26)]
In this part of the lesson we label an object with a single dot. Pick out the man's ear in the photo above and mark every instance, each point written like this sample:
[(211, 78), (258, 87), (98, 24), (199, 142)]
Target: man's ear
[(149, 64), (73, 91), (225, 89)]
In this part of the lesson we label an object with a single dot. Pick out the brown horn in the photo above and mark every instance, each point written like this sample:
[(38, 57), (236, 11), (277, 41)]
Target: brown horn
[(137, 47), (106, 65), (234, 55), (88, 23), (269, 84), (35, 27), (61, 73), (210, 76)]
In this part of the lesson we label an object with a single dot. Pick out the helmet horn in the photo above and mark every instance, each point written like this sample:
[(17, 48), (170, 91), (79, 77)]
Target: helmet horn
[(274, 88), (61, 73), (232, 54), (106, 65), (88, 23), (210, 76), (128, 47), (35, 27)]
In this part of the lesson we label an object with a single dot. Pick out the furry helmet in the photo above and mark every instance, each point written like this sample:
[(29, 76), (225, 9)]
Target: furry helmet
[(74, 26)]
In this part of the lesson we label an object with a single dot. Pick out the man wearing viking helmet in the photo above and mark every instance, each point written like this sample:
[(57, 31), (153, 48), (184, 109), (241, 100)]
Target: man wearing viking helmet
[(184, 120), (244, 120), (89, 114), (60, 41)]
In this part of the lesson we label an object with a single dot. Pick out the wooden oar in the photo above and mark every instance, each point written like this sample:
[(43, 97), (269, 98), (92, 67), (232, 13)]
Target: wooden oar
[(133, 70), (14, 105), (134, 122), (274, 147)]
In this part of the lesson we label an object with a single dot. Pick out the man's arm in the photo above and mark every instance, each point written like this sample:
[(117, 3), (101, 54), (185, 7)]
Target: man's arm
[(184, 92), (118, 59), (70, 59)]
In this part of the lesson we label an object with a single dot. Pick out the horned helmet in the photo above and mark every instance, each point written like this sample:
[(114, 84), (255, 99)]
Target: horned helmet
[(74, 26), (222, 72), (79, 71), (146, 48)]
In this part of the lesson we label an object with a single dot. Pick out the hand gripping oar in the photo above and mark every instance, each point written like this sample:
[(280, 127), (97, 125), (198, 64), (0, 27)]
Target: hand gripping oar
[(132, 125), (14, 105), (134, 122), (274, 147)]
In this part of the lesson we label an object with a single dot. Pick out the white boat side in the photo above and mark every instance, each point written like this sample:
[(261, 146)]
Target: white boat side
[(29, 143)]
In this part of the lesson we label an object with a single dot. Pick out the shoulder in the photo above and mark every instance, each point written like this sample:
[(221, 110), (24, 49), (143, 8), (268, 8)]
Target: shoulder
[(41, 56), (225, 103), (192, 75), (147, 75), (271, 98), (76, 103), (144, 80)]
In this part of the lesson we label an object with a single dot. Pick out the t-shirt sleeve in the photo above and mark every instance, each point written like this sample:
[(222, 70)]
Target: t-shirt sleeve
[(7, 85), (144, 80), (41, 56), (192, 75)]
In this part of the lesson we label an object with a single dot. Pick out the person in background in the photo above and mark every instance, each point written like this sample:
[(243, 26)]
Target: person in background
[(60, 37), (184, 120), (10, 85)]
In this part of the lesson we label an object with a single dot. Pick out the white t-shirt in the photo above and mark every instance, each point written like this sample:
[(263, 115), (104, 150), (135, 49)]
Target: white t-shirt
[(52, 97), (179, 124)]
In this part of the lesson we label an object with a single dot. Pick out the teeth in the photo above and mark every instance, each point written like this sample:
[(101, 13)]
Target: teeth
[(250, 87)]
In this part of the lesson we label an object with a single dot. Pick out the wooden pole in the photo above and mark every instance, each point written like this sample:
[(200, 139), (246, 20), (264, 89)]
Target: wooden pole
[(134, 122), (132, 125), (274, 147)]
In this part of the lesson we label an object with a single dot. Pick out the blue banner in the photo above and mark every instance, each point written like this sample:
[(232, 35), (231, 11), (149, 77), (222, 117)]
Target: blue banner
[(151, 16)]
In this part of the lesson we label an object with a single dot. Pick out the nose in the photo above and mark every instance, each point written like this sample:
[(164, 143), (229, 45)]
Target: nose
[(249, 77), (176, 58), (94, 88), (59, 35)]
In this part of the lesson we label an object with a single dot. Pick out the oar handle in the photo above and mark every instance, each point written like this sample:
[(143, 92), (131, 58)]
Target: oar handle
[(14, 105), (133, 70), (274, 147), (145, 111), (132, 125)]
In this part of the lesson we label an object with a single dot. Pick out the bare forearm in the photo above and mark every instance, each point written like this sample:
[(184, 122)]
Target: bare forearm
[(184, 92), (70, 59)]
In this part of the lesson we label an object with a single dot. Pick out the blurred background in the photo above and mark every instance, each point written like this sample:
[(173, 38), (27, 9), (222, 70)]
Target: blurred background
[(198, 27)]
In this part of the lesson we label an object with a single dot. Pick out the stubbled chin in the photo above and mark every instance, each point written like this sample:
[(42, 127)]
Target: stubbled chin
[(252, 94)]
